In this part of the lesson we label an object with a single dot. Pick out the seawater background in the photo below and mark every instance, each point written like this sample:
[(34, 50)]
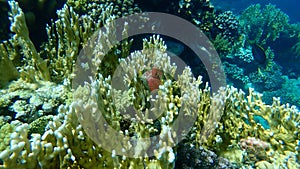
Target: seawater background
[(290, 7)]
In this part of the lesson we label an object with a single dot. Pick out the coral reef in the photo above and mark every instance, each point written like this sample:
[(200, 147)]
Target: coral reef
[(64, 39), (38, 14), (5, 131), (200, 12), (222, 28), (269, 28), (8, 70), (94, 8), (227, 25), (263, 26), (235, 72), (50, 120), (192, 157), (238, 123), (267, 79), (256, 149), (36, 67), (26, 102), (289, 92)]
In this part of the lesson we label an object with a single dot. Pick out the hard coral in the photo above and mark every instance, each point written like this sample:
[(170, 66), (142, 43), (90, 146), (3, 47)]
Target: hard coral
[(256, 149), (263, 25), (222, 118)]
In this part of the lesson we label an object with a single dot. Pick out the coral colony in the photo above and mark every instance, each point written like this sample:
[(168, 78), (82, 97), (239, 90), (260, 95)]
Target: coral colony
[(47, 123)]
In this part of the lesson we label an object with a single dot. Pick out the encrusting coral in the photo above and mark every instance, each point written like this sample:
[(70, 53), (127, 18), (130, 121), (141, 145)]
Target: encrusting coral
[(65, 133)]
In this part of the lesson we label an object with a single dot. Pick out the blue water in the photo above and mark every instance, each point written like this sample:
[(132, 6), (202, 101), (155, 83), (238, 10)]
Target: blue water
[(290, 7)]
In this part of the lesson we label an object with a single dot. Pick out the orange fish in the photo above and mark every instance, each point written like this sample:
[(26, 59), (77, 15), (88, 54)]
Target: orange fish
[(153, 78)]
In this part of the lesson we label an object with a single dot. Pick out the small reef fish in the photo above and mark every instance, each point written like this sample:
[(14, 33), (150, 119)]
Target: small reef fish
[(153, 78), (259, 54)]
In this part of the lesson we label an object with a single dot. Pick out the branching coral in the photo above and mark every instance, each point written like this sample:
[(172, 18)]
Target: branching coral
[(263, 25), (128, 127), (238, 122), (65, 39), (34, 61), (8, 70), (227, 25), (10, 52), (64, 134), (94, 8)]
